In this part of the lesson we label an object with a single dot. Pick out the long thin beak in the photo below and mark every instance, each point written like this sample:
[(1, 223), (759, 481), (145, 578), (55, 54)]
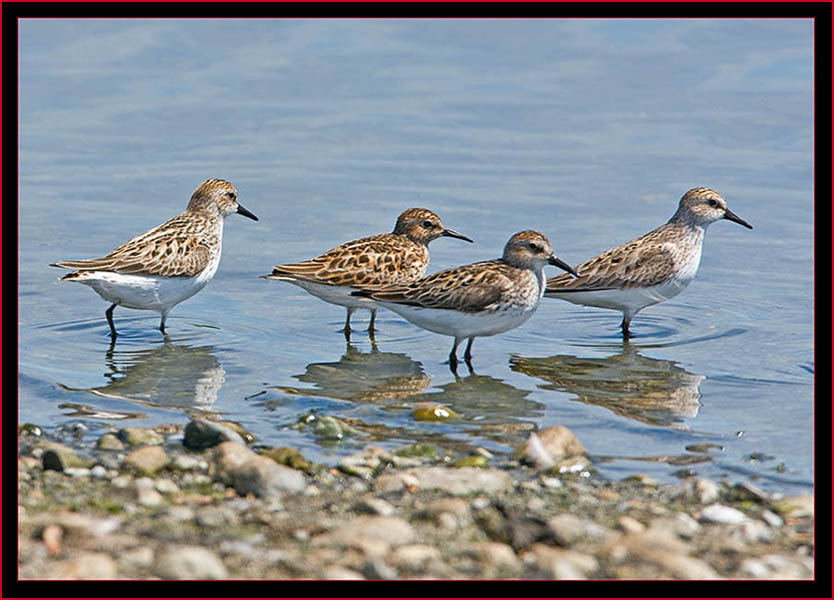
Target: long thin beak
[(245, 213), (730, 215), (455, 234), (558, 262)]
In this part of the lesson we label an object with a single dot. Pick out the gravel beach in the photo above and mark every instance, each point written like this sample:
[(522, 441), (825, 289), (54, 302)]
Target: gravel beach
[(208, 502)]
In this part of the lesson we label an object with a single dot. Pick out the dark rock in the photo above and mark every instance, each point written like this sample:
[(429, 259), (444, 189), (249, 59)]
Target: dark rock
[(202, 433)]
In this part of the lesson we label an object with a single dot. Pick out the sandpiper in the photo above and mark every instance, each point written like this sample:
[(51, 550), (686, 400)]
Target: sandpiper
[(477, 300), (651, 268), (388, 258), (168, 264)]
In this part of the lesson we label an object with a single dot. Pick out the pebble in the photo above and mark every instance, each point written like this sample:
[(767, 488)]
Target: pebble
[(239, 547), (76, 526), (719, 513), (366, 463), (121, 481), (567, 529), (88, 565), (195, 479), (212, 517), (52, 536), (480, 503), (686, 567), (754, 531), (147, 460), (166, 486), (414, 557), (377, 568), (335, 572), (796, 506), (77, 472), (448, 513), (148, 497), (431, 411), (57, 457), (663, 548), (447, 521), (706, 490), (99, 472), (190, 562), (494, 524), (393, 482), (553, 483), (549, 445), (496, 555), (137, 436), (460, 481), (201, 434), (374, 506), (772, 519), (143, 483), (391, 530), (187, 462), (110, 441), (180, 513), (558, 563), (358, 487), (329, 428), (680, 524), (630, 524), (137, 559), (248, 472), (776, 566), (747, 491)]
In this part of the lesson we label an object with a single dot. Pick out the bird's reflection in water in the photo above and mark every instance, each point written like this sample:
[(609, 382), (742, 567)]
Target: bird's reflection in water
[(489, 407), (373, 377), (170, 376), (649, 390)]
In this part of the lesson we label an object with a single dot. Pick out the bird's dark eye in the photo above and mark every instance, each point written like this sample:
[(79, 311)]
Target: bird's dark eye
[(231, 195), (533, 246), (428, 224), (713, 202)]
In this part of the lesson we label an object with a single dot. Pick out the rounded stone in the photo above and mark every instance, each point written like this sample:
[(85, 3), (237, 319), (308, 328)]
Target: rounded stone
[(109, 441), (190, 562), (147, 460), (201, 434), (137, 436)]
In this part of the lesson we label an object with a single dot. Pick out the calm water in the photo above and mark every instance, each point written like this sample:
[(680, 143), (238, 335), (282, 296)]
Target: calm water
[(588, 130)]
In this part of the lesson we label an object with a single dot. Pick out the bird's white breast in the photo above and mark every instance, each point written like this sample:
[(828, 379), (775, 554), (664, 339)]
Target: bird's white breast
[(334, 294), (460, 324)]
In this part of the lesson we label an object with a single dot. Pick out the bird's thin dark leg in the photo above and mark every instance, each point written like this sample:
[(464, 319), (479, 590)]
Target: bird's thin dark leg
[(453, 359), (624, 326), (373, 320), (467, 355), (109, 314), (347, 324), (162, 323)]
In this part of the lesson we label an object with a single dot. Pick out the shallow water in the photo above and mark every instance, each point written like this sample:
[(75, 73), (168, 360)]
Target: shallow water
[(588, 130)]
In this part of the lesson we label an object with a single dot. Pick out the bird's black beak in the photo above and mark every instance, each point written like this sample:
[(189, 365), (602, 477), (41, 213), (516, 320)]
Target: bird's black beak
[(558, 262), (245, 213), (455, 234), (731, 216)]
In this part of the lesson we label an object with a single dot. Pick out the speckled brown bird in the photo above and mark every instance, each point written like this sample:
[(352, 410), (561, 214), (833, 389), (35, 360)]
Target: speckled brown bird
[(168, 264), (651, 268), (477, 300), (388, 258)]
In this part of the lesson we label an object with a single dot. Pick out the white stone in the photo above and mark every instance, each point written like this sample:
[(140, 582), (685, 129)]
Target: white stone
[(719, 513)]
